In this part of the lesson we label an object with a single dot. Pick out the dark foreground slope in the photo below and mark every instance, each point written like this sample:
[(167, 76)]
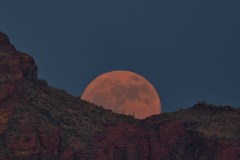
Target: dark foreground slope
[(38, 122)]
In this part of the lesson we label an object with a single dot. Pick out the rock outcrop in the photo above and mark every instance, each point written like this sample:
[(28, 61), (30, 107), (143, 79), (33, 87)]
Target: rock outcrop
[(38, 122), (125, 141), (167, 141), (14, 67)]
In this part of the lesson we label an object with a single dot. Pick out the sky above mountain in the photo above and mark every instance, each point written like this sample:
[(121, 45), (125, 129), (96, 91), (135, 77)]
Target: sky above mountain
[(189, 50)]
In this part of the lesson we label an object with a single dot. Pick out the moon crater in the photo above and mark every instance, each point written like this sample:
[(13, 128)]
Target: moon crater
[(124, 92)]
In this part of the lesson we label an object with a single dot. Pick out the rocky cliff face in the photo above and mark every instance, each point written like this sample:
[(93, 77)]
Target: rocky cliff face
[(125, 141), (176, 137), (14, 67), (38, 122)]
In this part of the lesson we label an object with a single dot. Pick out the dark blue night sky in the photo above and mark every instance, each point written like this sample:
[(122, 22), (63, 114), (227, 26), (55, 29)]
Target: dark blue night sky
[(189, 50)]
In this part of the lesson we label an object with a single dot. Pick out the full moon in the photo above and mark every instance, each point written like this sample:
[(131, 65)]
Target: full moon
[(124, 92)]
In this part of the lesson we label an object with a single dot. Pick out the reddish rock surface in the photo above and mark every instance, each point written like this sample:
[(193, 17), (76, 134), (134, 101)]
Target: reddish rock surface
[(170, 141), (126, 141), (14, 68)]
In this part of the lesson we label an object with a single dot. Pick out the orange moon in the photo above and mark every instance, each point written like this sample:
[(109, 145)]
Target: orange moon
[(124, 92)]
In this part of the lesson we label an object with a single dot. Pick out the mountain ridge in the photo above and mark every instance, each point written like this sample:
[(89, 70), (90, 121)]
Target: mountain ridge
[(39, 122)]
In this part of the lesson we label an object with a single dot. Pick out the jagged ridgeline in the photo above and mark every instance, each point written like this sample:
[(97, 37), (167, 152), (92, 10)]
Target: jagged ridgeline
[(39, 122)]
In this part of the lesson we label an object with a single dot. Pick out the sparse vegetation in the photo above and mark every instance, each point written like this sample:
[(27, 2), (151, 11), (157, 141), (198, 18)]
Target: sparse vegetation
[(79, 121)]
